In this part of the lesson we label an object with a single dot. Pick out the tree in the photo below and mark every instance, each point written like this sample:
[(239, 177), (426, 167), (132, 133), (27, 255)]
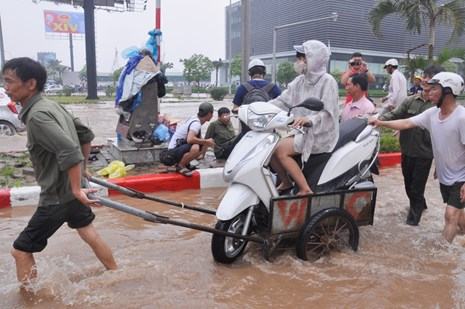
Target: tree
[(116, 74), (55, 70), (166, 65), (196, 68), (337, 75), (236, 65), (420, 63), (422, 13), (285, 73)]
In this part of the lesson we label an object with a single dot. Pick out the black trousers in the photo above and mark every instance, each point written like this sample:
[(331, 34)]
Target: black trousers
[(415, 171)]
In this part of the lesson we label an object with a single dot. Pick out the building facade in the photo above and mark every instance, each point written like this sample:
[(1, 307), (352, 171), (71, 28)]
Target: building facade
[(351, 32)]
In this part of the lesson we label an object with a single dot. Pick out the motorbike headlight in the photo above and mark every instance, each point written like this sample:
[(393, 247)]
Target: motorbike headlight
[(258, 121)]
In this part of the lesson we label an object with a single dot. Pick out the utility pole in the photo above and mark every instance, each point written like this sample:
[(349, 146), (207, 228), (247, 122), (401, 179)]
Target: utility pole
[(158, 25), (71, 51), (90, 50), (2, 49), (245, 38), (230, 47)]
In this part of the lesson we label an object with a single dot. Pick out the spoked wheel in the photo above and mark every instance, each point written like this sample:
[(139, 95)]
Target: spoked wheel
[(330, 229), (6, 129), (227, 249)]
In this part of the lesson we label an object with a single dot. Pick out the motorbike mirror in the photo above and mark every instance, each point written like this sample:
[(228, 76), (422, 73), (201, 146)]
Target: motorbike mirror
[(312, 104)]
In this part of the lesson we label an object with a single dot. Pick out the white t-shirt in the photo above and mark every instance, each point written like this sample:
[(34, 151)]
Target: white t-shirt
[(181, 131), (397, 89), (448, 140)]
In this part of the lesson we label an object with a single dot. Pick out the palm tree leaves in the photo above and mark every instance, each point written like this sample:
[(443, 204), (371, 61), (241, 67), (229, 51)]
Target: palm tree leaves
[(453, 14), (418, 13), (377, 14)]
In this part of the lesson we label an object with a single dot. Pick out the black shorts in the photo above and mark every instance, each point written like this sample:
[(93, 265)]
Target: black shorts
[(180, 151), (451, 194), (47, 220)]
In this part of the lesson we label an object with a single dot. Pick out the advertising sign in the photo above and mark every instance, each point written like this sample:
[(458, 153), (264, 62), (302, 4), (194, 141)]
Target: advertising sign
[(64, 22)]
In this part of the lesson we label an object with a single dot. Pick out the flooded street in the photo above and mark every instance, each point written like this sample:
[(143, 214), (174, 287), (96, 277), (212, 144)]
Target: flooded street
[(162, 266)]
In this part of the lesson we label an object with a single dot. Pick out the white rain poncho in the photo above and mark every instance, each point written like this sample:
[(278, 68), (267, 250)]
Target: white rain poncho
[(324, 133)]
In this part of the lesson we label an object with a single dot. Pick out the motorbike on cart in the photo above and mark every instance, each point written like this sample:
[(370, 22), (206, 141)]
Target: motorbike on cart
[(343, 197)]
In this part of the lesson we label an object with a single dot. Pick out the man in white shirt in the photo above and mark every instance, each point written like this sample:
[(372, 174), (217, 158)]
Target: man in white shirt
[(446, 126), (397, 86), (186, 143)]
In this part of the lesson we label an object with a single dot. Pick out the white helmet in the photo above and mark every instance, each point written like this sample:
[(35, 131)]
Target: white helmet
[(255, 62), (448, 80)]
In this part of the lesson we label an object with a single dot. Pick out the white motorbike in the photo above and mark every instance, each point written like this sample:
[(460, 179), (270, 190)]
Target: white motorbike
[(248, 204)]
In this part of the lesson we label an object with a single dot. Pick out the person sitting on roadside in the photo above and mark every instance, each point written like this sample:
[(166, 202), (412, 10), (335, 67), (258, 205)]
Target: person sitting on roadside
[(356, 87), (186, 143), (222, 132), (356, 65), (323, 133)]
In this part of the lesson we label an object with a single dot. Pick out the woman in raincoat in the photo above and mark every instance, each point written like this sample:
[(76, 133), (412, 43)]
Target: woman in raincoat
[(323, 133)]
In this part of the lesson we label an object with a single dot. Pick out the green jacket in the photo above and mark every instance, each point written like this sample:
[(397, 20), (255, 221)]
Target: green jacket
[(221, 133), (54, 137), (415, 142)]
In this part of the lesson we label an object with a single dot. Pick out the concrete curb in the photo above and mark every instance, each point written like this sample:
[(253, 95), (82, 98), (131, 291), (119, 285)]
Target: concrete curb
[(201, 179)]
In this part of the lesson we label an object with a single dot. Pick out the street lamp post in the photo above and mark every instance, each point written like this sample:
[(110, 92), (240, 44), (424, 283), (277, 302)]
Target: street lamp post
[(333, 16), (217, 64)]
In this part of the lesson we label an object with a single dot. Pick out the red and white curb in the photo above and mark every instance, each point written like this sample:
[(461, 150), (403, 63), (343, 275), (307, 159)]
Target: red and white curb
[(201, 179)]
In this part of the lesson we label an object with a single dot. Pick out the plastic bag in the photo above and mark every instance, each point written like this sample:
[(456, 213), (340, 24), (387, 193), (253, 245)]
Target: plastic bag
[(115, 169), (161, 134)]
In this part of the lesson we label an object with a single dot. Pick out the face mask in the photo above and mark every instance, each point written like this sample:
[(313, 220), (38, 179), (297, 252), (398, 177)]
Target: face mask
[(300, 67)]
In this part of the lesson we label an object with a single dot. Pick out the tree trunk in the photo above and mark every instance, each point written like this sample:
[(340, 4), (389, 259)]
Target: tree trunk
[(432, 40)]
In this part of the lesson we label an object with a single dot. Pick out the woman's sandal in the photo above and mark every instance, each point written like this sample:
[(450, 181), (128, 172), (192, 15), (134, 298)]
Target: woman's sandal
[(184, 171)]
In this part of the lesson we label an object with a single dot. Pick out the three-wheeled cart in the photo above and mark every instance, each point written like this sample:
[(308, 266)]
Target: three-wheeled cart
[(317, 223)]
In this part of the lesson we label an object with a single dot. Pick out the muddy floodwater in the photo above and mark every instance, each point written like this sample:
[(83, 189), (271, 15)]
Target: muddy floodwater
[(163, 266)]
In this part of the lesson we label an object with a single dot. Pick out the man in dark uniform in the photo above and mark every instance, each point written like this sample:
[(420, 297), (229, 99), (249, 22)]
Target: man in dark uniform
[(415, 144), (58, 144)]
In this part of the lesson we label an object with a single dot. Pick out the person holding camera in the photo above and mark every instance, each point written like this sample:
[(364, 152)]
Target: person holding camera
[(356, 65)]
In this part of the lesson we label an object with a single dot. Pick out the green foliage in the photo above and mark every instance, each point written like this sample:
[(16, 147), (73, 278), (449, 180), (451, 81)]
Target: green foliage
[(285, 73), (218, 93), (389, 142), (197, 68), (55, 70), (116, 74), (109, 91), (165, 66), (236, 65), (83, 74), (414, 65), (67, 91), (337, 75), (420, 13)]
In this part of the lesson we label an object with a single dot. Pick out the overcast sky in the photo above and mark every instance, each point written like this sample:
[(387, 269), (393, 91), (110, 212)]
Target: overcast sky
[(188, 26)]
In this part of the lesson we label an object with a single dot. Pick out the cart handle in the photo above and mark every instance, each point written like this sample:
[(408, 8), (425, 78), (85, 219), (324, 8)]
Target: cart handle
[(140, 195)]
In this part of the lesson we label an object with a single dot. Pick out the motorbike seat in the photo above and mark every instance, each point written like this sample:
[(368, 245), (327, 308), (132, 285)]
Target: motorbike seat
[(348, 131)]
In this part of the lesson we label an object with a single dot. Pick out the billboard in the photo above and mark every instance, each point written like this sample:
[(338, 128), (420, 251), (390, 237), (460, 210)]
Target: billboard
[(64, 22)]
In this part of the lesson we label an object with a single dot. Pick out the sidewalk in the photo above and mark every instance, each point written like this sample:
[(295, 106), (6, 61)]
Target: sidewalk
[(102, 119)]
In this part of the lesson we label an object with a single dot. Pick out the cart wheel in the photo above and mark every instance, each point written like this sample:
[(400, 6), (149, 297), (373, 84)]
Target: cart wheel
[(329, 229), (227, 249)]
